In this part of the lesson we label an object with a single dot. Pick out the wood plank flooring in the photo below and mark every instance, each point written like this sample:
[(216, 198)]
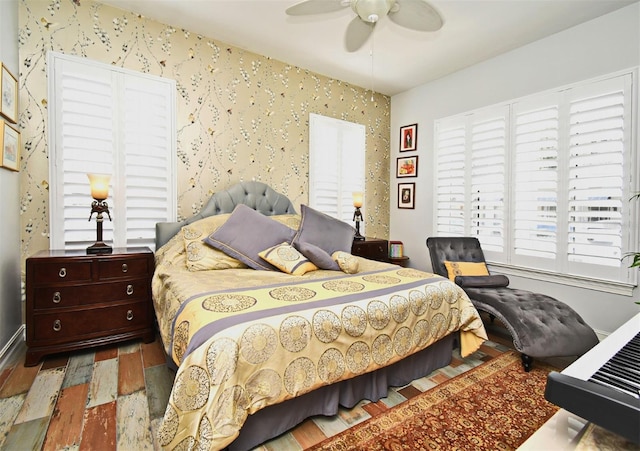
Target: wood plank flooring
[(107, 399), (114, 398)]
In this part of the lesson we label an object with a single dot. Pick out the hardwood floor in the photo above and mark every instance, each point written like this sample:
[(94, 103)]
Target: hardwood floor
[(108, 398), (114, 398)]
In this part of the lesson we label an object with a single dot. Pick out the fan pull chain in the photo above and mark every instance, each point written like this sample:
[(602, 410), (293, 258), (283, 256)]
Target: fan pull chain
[(372, 66)]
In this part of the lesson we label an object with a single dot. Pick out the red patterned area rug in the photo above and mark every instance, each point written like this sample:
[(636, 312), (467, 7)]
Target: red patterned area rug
[(495, 406)]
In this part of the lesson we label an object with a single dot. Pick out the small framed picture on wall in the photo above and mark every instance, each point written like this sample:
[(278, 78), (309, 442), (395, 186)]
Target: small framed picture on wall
[(408, 137), (9, 92), (406, 195), (407, 167), (10, 144)]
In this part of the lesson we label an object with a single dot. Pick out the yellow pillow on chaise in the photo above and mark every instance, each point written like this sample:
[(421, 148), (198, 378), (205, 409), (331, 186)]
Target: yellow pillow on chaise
[(465, 269)]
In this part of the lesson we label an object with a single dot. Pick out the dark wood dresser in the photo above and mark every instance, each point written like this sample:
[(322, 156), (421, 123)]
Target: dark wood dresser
[(75, 300), (371, 248)]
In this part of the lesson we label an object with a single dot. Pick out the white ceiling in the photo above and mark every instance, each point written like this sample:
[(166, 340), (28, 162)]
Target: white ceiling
[(473, 30)]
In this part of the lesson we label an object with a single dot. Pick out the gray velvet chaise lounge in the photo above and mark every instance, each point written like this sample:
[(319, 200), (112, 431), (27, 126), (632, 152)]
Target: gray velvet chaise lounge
[(540, 325)]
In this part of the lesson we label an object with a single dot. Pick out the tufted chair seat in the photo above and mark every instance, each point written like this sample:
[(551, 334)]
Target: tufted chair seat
[(541, 326)]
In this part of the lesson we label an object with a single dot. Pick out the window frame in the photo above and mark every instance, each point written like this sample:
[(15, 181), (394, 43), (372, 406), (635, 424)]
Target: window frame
[(349, 165), (508, 263), (117, 231)]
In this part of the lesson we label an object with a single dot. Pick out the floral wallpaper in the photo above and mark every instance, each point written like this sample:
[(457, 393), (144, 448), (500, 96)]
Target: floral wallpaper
[(240, 116)]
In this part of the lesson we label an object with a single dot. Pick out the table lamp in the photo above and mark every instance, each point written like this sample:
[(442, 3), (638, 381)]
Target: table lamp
[(357, 214), (99, 191)]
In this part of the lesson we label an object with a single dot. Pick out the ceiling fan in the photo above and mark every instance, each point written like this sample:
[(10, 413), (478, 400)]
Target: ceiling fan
[(413, 14)]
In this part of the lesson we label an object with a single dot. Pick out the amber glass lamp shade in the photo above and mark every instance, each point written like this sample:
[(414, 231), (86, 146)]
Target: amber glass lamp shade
[(357, 199), (99, 186), (99, 191)]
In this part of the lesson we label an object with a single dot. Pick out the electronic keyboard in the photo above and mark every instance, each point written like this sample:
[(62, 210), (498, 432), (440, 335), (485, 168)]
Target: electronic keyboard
[(603, 385)]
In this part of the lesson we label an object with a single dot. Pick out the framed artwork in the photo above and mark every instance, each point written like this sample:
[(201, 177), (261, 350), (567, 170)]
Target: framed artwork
[(407, 167), (406, 195), (408, 137), (9, 92), (10, 144)]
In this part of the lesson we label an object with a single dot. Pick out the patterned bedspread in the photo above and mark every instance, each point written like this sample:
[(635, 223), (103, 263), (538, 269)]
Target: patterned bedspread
[(262, 342)]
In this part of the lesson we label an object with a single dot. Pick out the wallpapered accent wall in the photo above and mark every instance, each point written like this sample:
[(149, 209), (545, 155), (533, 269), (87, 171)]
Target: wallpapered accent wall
[(240, 116)]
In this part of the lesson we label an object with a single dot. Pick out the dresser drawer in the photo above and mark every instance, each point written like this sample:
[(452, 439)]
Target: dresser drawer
[(60, 296), (48, 272), (72, 325), (113, 268)]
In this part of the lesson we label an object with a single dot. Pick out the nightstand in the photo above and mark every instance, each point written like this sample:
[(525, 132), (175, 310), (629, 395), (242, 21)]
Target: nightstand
[(401, 261), (75, 300), (371, 248)]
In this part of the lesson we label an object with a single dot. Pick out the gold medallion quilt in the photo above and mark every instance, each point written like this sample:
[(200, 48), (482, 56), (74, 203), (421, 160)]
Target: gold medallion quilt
[(267, 337)]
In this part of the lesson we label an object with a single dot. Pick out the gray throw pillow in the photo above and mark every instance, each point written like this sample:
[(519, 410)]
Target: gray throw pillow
[(317, 256), (247, 233), (491, 281), (323, 231)]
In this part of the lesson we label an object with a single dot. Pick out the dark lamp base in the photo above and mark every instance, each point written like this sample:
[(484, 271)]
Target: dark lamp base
[(358, 237), (99, 248)]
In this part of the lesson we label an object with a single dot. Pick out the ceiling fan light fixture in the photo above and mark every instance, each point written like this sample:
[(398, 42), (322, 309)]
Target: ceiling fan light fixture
[(416, 15), (371, 10)]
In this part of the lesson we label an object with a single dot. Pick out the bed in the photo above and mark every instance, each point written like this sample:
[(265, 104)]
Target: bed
[(260, 343)]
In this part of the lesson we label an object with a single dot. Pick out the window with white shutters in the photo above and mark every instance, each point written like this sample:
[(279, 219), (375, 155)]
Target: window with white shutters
[(336, 166), (471, 177), (547, 185), (450, 189), (535, 175), (599, 131), (488, 183), (109, 120)]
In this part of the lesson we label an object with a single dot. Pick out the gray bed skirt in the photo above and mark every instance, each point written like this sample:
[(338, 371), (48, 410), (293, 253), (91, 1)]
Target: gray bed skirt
[(274, 420)]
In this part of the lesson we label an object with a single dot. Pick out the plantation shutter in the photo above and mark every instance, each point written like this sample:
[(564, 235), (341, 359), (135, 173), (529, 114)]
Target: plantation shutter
[(598, 126), (544, 182), (108, 120), (536, 138), (488, 179), (450, 180), (146, 167), (336, 166)]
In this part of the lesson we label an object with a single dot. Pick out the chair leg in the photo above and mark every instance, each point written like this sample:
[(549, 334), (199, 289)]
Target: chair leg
[(527, 362)]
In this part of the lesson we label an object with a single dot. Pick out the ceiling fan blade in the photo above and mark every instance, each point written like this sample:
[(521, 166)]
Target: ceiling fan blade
[(358, 33), (314, 7), (416, 15)]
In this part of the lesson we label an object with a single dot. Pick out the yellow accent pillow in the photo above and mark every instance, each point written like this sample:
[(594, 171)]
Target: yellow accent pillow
[(347, 262), (201, 257), (287, 259), (465, 269)]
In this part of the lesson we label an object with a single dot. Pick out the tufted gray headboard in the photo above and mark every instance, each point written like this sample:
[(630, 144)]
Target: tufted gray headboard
[(256, 195)]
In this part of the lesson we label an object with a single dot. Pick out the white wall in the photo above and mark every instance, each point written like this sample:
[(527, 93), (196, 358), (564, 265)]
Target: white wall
[(601, 46), (10, 305)]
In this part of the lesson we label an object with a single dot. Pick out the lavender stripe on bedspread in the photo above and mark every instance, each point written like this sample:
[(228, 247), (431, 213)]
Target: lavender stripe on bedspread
[(206, 332), (267, 360)]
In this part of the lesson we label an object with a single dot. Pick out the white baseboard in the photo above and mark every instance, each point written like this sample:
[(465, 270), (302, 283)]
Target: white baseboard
[(5, 352)]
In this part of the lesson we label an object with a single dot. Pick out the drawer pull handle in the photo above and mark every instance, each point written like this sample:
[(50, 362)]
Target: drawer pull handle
[(125, 268), (129, 315), (56, 297), (129, 290), (62, 272), (57, 325)]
